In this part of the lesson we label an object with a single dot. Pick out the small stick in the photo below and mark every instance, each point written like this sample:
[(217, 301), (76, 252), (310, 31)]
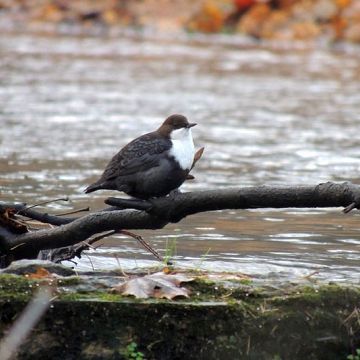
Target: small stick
[(16, 246), (311, 274), (120, 267), (97, 238), (145, 244), (73, 211), (43, 203), (92, 265)]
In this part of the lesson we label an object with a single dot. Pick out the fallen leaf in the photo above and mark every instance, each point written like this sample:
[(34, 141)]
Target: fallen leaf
[(158, 285), (9, 220), (40, 273), (166, 270)]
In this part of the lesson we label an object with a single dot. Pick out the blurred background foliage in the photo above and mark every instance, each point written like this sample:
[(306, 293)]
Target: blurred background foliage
[(332, 20)]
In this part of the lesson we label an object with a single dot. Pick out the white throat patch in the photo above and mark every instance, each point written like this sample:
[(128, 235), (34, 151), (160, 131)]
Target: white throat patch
[(183, 147)]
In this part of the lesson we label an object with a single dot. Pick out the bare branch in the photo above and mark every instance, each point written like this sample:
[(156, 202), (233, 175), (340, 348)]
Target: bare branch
[(161, 211), (22, 209)]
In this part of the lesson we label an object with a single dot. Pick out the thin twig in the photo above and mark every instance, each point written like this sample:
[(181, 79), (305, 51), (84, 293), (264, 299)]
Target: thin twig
[(145, 244), (92, 265), (74, 211), (99, 237), (16, 246), (43, 203), (120, 267), (311, 274)]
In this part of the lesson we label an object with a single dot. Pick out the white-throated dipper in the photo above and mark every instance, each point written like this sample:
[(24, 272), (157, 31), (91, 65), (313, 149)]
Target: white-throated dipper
[(153, 164)]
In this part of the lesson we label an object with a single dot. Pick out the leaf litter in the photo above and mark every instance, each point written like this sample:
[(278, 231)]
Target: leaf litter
[(157, 285)]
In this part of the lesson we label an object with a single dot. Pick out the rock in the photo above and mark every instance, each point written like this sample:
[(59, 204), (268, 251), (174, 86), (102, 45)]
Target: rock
[(352, 33), (276, 25), (325, 10), (306, 30), (351, 16), (210, 17), (22, 267), (241, 5), (49, 12), (303, 11), (251, 23)]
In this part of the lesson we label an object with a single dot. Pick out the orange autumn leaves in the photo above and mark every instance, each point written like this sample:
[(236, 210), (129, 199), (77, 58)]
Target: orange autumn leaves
[(39, 274), (264, 19), (281, 19)]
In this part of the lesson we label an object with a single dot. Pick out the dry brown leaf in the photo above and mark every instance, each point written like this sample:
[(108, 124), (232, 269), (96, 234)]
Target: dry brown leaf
[(39, 274), (166, 270), (158, 285), (9, 220)]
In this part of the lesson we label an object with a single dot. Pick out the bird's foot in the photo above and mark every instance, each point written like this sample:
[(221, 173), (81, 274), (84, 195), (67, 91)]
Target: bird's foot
[(174, 193), (133, 203)]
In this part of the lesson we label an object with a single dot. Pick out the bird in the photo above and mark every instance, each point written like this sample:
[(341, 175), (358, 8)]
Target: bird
[(152, 165)]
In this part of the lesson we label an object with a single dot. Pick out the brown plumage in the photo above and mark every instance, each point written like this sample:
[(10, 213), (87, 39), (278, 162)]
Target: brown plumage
[(153, 164)]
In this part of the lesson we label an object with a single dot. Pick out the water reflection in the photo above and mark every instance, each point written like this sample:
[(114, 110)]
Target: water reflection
[(266, 116)]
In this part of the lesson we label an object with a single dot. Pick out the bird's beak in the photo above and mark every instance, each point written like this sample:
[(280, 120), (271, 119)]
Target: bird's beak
[(191, 125)]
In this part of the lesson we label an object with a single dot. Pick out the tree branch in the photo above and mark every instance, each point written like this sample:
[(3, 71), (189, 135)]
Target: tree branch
[(161, 211), (22, 209)]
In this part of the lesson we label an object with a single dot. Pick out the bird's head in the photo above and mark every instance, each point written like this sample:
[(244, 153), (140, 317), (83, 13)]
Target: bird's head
[(176, 126)]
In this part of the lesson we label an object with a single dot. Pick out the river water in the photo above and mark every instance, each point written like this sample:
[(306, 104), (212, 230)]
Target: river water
[(266, 115)]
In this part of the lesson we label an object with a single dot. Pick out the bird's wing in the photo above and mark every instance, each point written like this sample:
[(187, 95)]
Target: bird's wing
[(139, 155)]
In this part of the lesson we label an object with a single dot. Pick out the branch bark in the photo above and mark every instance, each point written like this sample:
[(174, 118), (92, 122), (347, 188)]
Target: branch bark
[(155, 214)]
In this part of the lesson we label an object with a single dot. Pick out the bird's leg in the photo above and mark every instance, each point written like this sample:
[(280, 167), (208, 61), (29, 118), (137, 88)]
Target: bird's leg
[(145, 244), (132, 203)]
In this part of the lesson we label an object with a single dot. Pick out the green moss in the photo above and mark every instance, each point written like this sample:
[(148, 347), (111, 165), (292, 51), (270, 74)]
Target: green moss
[(16, 287), (93, 295), (69, 281), (220, 320), (245, 281), (320, 296), (203, 289)]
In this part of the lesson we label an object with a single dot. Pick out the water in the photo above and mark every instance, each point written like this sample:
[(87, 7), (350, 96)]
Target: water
[(266, 115)]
